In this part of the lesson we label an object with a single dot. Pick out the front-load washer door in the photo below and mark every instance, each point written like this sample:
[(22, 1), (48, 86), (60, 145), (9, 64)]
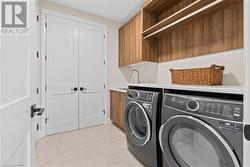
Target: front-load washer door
[(137, 123), (190, 142)]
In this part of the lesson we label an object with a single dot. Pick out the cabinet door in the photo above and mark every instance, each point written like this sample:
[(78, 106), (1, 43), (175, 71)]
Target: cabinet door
[(122, 109), (122, 46), (137, 38), (117, 108), (127, 42), (114, 106), (130, 38)]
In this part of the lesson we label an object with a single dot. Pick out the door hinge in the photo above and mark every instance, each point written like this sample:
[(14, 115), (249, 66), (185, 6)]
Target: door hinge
[(37, 54), (37, 17), (45, 57), (104, 36), (45, 24), (104, 111), (46, 88), (46, 120), (104, 86), (104, 62), (37, 91)]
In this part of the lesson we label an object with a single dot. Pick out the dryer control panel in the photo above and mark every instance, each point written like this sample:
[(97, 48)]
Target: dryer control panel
[(213, 107)]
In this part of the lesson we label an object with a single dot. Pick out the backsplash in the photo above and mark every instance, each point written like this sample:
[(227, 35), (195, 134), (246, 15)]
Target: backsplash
[(159, 73), (148, 72)]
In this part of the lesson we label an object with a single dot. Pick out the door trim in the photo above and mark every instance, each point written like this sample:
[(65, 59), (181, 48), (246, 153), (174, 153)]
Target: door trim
[(225, 144), (44, 13)]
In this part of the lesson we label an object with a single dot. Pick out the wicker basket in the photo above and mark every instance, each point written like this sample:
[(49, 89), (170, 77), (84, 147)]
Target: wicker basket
[(198, 76)]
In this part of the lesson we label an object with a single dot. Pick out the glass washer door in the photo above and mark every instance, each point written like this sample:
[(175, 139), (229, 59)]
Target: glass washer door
[(137, 123), (189, 142)]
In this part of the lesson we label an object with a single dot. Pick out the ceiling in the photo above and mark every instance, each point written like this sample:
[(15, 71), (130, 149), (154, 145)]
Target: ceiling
[(117, 10)]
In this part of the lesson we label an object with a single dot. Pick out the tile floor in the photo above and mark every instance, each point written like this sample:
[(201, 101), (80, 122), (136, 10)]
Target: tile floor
[(102, 146)]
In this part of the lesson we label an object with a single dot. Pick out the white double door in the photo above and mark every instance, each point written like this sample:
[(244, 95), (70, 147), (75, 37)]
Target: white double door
[(75, 75)]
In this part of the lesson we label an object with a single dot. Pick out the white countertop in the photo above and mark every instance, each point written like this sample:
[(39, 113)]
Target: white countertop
[(215, 89), (119, 90)]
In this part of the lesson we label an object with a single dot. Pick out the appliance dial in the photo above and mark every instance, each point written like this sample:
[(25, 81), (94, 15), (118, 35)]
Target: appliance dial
[(134, 94), (193, 105)]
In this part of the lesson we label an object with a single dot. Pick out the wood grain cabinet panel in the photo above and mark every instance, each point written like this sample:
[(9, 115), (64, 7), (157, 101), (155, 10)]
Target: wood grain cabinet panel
[(114, 106), (122, 46), (122, 108), (132, 48), (217, 29), (117, 108), (127, 43)]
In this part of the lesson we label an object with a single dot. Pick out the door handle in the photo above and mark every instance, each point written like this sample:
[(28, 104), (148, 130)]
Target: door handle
[(35, 110), (82, 88), (74, 89), (247, 132)]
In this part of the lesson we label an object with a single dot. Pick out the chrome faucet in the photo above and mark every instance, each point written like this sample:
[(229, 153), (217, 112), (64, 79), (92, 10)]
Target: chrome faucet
[(138, 75)]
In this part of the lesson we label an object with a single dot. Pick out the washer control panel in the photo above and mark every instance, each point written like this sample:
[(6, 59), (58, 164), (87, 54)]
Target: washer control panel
[(213, 107), (142, 96), (133, 94)]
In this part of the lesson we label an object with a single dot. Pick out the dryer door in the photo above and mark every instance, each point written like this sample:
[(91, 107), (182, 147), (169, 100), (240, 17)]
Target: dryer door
[(189, 142), (137, 123)]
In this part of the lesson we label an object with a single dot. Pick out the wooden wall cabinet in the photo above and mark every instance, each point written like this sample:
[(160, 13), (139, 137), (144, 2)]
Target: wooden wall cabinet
[(159, 33), (117, 108), (189, 28), (132, 47)]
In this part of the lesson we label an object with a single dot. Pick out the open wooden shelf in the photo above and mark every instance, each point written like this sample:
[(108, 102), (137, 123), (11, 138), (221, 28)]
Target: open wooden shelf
[(196, 9), (156, 5)]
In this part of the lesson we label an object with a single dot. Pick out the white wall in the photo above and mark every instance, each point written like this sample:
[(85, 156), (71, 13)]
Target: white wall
[(232, 60), (159, 73), (147, 72)]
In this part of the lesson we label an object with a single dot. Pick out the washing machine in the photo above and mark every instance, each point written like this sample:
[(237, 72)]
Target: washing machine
[(199, 131), (141, 123)]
